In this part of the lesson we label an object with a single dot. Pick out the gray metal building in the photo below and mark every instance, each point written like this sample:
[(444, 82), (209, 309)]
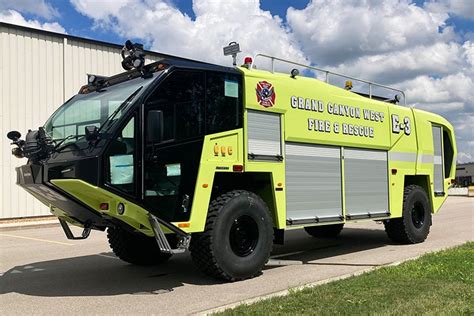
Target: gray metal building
[(39, 71)]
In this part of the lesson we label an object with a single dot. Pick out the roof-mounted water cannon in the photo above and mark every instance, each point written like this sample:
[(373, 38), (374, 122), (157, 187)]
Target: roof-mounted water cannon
[(133, 56), (36, 146), (14, 136), (232, 50)]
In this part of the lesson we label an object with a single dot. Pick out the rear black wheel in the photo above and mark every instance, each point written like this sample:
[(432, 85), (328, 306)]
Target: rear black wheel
[(237, 239), (414, 225), (134, 248), (326, 231)]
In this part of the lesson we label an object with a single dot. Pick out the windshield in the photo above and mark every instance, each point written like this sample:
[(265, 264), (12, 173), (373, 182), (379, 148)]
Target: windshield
[(95, 108)]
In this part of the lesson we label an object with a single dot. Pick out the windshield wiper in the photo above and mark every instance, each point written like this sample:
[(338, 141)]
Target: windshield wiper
[(58, 146), (119, 108)]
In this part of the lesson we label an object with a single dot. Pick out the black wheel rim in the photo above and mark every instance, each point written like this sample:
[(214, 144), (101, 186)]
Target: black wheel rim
[(418, 215), (243, 236)]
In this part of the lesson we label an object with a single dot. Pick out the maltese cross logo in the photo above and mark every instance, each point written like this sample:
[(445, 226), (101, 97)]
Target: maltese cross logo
[(265, 94)]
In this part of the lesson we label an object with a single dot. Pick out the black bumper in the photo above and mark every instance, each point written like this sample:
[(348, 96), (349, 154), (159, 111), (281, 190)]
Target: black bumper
[(31, 178)]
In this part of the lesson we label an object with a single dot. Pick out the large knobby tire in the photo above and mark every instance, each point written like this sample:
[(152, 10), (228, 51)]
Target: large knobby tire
[(135, 248), (237, 239), (414, 225), (325, 231)]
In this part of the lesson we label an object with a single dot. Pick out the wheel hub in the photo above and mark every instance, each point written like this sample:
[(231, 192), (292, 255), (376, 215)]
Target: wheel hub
[(418, 215), (243, 236)]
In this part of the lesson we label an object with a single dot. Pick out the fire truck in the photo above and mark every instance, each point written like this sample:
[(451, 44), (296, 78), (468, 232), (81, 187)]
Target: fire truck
[(183, 155)]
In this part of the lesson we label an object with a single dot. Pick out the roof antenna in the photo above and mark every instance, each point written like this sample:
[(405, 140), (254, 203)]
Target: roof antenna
[(232, 49)]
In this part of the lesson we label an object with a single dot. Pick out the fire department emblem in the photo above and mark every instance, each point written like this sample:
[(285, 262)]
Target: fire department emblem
[(265, 94)]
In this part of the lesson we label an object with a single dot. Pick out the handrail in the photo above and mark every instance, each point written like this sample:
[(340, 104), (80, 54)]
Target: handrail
[(328, 72)]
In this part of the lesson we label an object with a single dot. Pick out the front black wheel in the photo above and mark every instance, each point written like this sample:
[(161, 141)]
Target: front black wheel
[(326, 231), (134, 248), (414, 225), (237, 239)]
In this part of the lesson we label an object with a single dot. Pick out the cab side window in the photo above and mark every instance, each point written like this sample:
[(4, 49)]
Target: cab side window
[(223, 102), (181, 99)]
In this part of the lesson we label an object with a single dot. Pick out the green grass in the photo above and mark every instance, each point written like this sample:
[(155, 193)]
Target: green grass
[(436, 283)]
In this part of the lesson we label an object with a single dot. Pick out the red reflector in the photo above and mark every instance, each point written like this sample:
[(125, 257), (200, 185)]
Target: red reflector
[(394, 171), (238, 168), (248, 60), (104, 206)]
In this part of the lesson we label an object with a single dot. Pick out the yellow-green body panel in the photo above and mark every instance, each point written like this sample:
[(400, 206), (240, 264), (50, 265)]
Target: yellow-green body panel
[(215, 158), (404, 151), (93, 196)]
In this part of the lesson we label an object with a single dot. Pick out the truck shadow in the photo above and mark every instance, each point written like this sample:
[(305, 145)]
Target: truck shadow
[(104, 274)]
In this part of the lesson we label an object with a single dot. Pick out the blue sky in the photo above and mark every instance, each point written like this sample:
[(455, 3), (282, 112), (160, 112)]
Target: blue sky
[(425, 47)]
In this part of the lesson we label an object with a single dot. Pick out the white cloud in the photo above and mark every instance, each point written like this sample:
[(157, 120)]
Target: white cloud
[(39, 8), (399, 65), (168, 30), (449, 89), (14, 17), (100, 9), (336, 31), (462, 8)]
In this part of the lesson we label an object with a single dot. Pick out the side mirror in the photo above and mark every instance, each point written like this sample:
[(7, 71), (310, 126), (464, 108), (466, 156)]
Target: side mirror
[(92, 133), (154, 126), (14, 135)]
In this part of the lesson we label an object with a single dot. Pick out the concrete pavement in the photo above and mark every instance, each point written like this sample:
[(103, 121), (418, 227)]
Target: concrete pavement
[(43, 272)]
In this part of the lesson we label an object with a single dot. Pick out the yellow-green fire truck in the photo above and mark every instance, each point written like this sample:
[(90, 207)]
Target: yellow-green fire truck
[(182, 154)]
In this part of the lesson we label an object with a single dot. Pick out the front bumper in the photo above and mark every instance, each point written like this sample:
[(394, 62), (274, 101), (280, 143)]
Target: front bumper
[(31, 178)]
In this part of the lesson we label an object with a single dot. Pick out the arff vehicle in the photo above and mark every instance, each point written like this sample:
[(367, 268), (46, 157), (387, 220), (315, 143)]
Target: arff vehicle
[(181, 154)]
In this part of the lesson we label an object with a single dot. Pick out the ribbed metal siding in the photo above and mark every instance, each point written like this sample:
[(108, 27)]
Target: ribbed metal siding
[(313, 181), (365, 181), (264, 133), (38, 73), (437, 160)]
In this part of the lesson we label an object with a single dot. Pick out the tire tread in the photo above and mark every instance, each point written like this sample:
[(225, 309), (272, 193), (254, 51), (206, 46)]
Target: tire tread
[(396, 229), (135, 249)]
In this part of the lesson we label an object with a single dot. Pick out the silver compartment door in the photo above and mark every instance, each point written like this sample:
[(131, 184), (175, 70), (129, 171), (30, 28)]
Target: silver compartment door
[(264, 135), (366, 183), (313, 183), (438, 160)]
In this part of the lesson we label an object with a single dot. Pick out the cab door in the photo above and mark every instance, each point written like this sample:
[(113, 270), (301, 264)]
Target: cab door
[(171, 159)]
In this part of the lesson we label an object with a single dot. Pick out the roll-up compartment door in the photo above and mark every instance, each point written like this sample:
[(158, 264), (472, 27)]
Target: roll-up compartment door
[(313, 183), (438, 160), (264, 135), (365, 183)]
